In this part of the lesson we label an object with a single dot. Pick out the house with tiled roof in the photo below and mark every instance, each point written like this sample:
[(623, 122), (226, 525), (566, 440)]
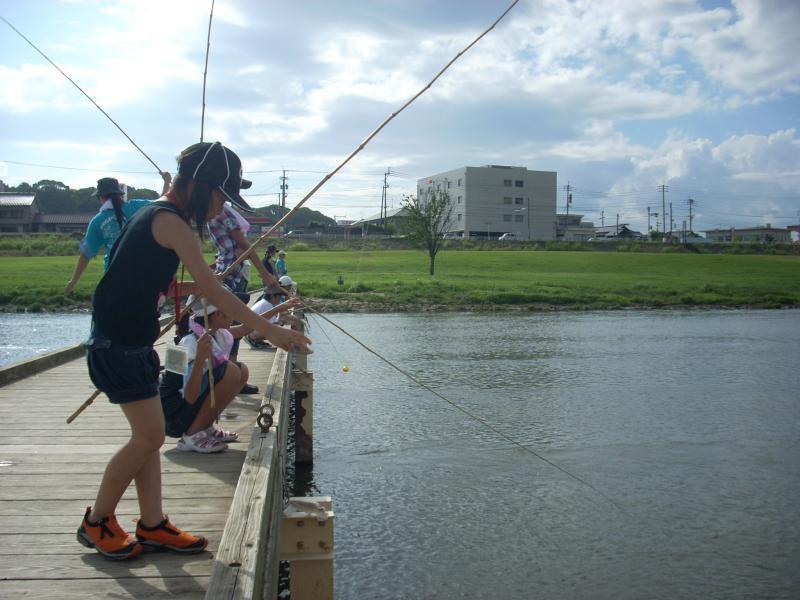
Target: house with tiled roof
[(17, 212)]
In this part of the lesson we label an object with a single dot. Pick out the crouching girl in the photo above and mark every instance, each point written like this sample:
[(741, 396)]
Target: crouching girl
[(185, 398)]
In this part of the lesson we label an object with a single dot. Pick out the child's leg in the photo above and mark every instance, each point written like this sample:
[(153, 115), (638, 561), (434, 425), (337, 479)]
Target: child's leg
[(224, 392), (138, 458)]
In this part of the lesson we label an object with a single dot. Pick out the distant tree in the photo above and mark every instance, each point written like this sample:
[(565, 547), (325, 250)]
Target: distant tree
[(50, 184), (427, 220)]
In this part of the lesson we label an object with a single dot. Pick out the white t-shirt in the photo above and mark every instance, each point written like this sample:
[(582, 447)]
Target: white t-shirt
[(262, 306), (189, 342)]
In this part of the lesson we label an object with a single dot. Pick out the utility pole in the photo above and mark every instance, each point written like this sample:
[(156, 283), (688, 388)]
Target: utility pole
[(568, 188), (671, 221), (384, 200), (284, 187), (663, 189), (603, 217), (691, 202), (648, 220), (616, 231)]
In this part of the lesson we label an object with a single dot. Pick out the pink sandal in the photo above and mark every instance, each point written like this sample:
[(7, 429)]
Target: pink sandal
[(221, 435)]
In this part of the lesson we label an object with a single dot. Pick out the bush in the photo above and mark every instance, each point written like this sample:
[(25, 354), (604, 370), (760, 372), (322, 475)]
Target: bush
[(299, 247)]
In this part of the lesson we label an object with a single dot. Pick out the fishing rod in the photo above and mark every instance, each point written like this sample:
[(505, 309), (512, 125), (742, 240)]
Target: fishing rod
[(329, 175), (369, 138), (205, 72), (466, 411), (80, 89), (243, 256)]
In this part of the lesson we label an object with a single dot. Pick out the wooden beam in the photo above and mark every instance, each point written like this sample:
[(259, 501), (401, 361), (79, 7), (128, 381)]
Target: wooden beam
[(245, 565), (307, 542)]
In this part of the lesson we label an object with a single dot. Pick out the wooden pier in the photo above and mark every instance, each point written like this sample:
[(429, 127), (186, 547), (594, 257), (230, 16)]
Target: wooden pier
[(50, 472)]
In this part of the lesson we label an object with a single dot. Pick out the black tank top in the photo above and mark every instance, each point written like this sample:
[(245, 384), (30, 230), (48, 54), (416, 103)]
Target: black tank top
[(125, 302)]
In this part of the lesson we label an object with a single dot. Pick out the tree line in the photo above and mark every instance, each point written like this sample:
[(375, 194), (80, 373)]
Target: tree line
[(55, 197)]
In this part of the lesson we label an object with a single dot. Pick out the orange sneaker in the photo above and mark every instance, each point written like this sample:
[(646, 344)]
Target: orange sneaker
[(166, 536), (107, 537)]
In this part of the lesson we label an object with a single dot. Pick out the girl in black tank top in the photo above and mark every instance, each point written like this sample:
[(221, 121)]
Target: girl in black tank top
[(120, 355)]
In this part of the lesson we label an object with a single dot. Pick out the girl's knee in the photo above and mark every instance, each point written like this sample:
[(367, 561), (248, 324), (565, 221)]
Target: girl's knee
[(245, 373), (150, 439)]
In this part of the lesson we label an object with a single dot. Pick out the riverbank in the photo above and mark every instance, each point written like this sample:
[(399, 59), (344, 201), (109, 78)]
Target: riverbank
[(397, 281)]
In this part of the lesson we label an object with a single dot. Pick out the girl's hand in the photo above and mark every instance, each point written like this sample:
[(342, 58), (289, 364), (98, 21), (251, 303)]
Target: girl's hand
[(204, 347), (292, 303), (288, 339)]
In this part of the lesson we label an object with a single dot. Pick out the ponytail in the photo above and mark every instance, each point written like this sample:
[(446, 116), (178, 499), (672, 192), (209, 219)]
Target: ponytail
[(117, 201)]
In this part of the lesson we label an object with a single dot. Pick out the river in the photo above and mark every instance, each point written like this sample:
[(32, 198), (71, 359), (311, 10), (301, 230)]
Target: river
[(668, 448), (686, 425)]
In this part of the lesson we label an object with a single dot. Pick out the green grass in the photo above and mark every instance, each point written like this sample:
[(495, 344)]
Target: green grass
[(566, 279)]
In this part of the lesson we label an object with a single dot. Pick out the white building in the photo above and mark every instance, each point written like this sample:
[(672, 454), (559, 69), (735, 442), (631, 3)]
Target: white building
[(492, 200)]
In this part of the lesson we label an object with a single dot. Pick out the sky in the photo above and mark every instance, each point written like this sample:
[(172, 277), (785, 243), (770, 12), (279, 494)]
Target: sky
[(618, 97)]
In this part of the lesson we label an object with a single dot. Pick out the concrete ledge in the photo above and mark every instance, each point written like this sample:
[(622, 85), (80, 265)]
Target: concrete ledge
[(37, 364)]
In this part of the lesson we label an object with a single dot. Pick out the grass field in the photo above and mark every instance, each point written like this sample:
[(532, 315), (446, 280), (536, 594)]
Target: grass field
[(385, 279)]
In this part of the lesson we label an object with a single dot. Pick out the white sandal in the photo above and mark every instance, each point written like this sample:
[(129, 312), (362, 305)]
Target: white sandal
[(200, 442), (220, 434)]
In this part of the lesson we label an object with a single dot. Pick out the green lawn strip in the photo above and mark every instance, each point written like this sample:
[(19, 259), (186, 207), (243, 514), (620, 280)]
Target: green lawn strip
[(482, 278)]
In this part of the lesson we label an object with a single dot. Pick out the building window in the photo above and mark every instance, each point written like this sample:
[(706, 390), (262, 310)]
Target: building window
[(506, 183), (519, 183), (459, 182), (507, 218), (518, 218), (507, 200), (459, 199), (448, 185), (518, 201), (459, 216)]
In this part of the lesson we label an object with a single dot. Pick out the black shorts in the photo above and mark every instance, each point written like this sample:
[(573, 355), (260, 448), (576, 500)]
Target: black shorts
[(178, 413), (123, 373)]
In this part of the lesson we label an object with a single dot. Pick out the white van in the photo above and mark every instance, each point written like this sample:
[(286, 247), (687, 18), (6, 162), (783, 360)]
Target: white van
[(507, 237)]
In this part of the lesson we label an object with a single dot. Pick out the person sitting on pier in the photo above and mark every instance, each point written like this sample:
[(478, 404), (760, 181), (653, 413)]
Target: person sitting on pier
[(188, 413), (120, 356), (271, 303), (105, 226)]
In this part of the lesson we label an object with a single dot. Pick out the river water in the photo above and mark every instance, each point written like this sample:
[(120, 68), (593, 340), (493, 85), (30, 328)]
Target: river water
[(686, 424), (24, 335), (679, 432)]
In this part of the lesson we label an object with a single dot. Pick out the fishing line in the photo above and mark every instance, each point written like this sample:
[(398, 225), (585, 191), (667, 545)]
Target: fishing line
[(467, 412), (345, 368), (322, 182), (205, 72), (369, 138), (80, 89)]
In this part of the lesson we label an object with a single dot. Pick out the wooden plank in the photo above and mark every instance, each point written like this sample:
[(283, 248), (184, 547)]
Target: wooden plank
[(74, 509), (49, 473), (240, 563), (176, 588), (93, 479), (66, 492), (64, 543), (68, 524), (91, 565)]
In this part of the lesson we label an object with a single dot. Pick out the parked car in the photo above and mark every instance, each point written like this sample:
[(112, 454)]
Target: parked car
[(508, 237)]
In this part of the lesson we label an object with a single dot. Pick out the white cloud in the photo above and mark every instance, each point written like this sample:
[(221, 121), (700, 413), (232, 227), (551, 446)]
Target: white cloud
[(600, 142)]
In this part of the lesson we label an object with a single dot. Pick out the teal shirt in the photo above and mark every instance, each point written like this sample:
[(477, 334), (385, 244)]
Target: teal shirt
[(280, 267), (104, 230)]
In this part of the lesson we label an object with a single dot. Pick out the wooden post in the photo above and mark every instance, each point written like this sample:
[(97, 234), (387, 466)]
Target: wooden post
[(303, 387), (307, 543)]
